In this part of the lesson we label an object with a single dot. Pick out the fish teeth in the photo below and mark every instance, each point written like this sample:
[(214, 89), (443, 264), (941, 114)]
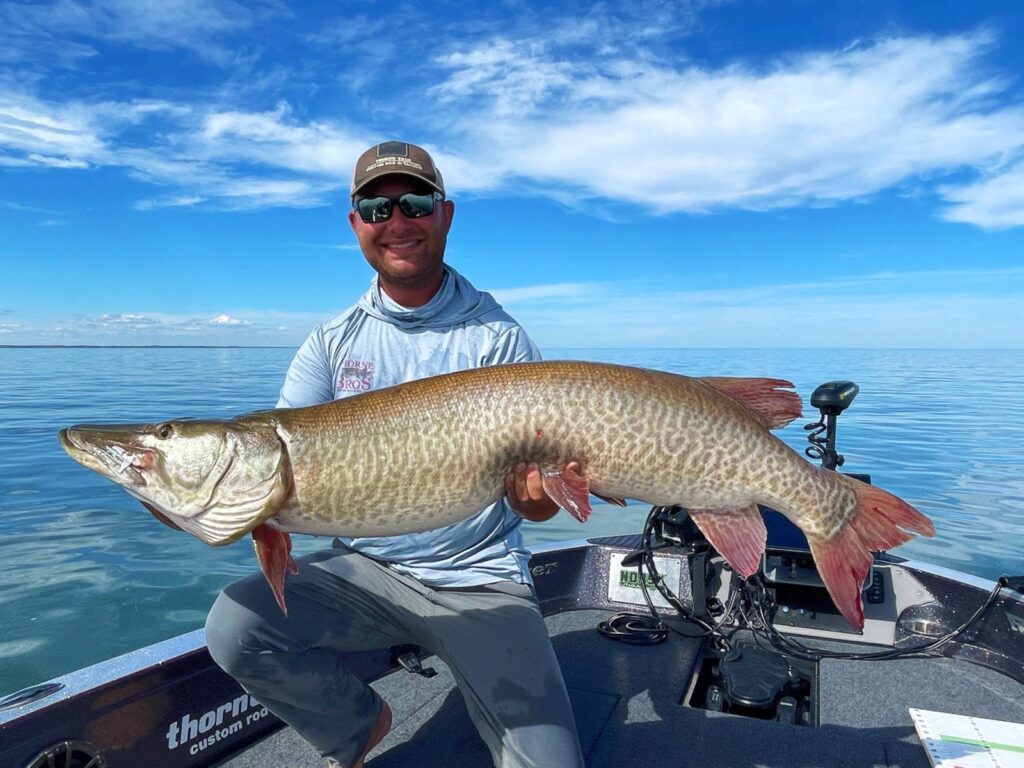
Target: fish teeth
[(126, 457), (126, 462)]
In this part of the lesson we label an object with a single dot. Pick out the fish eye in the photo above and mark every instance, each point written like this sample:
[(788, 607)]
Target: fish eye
[(164, 431)]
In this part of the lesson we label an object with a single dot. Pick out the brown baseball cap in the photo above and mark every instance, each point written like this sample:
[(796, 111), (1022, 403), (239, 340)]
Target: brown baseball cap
[(396, 157)]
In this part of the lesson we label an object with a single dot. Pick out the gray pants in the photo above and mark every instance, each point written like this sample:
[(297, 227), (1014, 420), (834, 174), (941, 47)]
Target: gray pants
[(493, 638)]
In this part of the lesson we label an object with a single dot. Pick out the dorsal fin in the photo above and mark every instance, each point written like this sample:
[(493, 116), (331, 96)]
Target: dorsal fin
[(767, 399)]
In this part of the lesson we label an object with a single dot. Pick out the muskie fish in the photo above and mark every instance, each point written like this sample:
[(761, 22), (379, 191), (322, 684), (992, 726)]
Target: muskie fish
[(428, 453)]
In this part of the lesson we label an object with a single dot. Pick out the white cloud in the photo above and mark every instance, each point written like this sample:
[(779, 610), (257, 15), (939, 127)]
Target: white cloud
[(524, 78), (224, 158), (248, 327), (196, 25), (547, 292), (169, 201), (44, 134), (274, 139), (815, 128), (566, 109), (57, 162), (252, 193), (9, 205), (13, 162), (993, 202), (125, 321), (228, 320), (254, 159), (309, 161)]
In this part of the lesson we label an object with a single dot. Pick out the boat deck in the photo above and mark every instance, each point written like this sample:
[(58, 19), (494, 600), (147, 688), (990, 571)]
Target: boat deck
[(628, 705)]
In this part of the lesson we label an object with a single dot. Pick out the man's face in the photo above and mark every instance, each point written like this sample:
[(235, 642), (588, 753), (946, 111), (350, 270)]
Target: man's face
[(405, 252)]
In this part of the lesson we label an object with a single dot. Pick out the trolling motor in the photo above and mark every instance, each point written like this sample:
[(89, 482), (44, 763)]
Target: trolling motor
[(831, 399), (787, 564)]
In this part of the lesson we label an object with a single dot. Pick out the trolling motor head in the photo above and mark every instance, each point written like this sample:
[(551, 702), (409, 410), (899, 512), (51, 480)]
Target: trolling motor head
[(834, 397), (831, 398)]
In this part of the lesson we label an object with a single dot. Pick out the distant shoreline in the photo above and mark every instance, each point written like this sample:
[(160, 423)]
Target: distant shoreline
[(145, 346), (600, 349)]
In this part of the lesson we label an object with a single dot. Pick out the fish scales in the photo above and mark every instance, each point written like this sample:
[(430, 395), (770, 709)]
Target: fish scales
[(431, 452)]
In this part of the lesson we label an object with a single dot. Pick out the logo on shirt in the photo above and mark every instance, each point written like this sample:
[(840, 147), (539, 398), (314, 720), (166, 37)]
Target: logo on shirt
[(356, 376)]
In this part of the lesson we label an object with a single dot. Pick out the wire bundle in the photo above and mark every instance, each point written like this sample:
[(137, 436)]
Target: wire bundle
[(750, 606)]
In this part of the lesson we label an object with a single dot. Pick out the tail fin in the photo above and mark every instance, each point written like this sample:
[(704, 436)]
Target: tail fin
[(877, 524), (767, 399)]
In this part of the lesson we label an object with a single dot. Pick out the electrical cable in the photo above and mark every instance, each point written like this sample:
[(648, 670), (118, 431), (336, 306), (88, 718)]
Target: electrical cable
[(751, 594), (630, 628), (786, 644), (634, 629)]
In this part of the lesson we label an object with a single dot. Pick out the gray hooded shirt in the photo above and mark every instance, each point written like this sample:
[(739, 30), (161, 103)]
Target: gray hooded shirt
[(379, 343)]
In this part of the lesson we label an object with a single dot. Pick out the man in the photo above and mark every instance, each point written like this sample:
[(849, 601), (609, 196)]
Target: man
[(463, 592)]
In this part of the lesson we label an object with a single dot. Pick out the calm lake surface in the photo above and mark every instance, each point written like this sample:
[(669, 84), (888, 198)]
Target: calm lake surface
[(87, 574)]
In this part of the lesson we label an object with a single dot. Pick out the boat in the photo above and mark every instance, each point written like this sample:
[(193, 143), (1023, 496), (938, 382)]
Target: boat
[(670, 659)]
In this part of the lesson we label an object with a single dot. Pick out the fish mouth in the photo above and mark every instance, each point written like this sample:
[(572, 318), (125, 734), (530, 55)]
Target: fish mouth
[(107, 452)]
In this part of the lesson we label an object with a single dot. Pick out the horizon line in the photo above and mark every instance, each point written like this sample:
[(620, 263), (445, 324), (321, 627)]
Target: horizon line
[(630, 348)]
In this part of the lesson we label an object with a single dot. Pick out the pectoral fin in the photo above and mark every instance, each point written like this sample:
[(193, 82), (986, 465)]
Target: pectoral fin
[(738, 533), (274, 553), (570, 490)]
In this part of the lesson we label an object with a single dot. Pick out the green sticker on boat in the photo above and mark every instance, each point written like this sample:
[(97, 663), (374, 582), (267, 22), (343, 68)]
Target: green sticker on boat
[(625, 584)]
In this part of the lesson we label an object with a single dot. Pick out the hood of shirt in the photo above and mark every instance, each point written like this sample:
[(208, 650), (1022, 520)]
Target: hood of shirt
[(456, 302)]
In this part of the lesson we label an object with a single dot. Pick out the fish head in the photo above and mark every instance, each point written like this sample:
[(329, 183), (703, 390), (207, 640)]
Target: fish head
[(215, 479)]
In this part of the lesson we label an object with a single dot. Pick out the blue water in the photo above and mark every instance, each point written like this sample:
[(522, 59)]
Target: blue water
[(87, 574)]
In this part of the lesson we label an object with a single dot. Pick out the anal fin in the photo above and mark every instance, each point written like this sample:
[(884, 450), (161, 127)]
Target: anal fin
[(274, 553), (738, 533)]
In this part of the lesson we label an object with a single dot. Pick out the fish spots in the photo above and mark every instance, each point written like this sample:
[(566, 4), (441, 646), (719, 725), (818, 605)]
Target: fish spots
[(539, 433)]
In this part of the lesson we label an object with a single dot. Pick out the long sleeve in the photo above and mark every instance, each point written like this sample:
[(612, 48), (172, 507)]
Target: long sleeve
[(309, 380), (512, 346)]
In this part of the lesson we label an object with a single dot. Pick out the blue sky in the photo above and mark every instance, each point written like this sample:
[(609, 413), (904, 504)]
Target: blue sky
[(702, 174)]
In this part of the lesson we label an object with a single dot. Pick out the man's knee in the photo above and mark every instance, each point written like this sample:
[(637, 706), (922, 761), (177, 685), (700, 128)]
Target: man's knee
[(228, 625)]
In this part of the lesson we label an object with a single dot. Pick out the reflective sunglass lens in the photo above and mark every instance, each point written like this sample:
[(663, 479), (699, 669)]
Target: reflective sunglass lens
[(416, 206), (376, 209)]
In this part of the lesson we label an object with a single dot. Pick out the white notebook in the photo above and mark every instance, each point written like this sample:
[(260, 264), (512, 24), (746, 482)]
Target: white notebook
[(961, 741)]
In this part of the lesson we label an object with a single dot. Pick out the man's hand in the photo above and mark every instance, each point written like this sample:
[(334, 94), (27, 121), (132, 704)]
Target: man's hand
[(525, 491)]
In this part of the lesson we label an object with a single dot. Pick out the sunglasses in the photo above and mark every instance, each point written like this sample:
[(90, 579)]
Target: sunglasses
[(373, 210)]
